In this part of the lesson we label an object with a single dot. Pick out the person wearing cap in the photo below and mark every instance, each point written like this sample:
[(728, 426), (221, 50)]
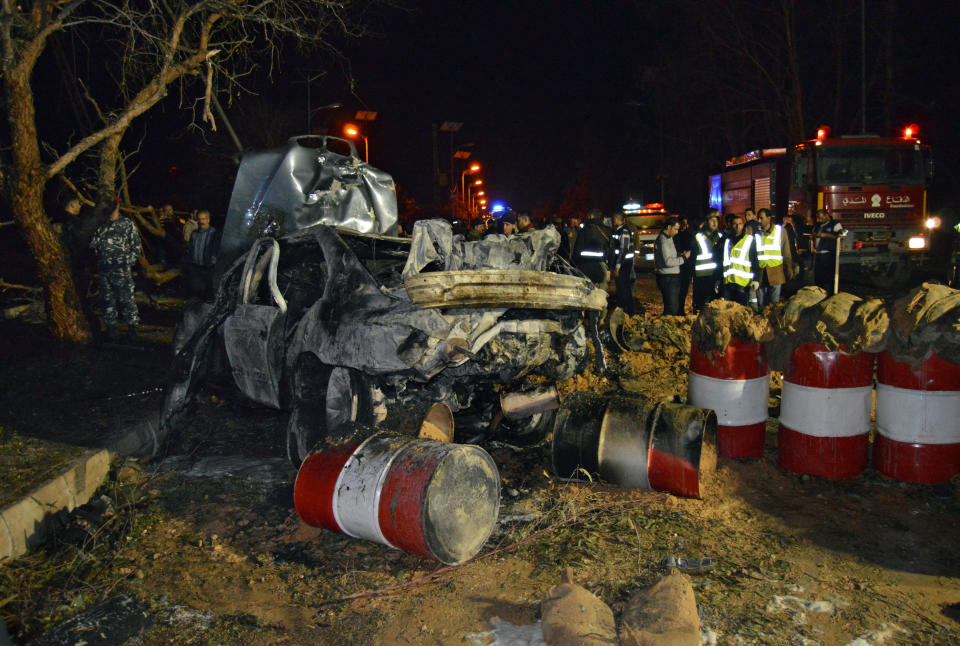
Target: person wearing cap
[(707, 258), (622, 254), (590, 250), (509, 224), (667, 266)]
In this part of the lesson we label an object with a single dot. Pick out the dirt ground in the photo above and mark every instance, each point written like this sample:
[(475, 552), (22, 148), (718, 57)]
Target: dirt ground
[(208, 545)]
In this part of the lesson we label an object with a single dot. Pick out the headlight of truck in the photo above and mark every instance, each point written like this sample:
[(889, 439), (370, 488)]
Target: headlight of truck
[(917, 242)]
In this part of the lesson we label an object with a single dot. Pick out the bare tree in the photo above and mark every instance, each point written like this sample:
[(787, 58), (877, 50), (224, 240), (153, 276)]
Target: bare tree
[(206, 45)]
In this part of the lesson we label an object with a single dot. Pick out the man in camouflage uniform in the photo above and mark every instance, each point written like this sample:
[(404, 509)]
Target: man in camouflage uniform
[(116, 245)]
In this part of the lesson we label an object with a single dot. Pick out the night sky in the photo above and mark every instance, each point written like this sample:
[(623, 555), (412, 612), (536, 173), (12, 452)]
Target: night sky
[(526, 81), (546, 88)]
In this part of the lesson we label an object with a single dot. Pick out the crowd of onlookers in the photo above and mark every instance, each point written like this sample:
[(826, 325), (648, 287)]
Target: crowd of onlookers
[(107, 242), (747, 257)]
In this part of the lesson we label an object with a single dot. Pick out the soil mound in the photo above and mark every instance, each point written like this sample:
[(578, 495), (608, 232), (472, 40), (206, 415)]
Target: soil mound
[(721, 321)]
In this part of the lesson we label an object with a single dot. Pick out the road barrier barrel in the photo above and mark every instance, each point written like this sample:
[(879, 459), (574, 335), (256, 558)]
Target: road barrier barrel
[(430, 498), (633, 442), (735, 384), (918, 420), (825, 412)]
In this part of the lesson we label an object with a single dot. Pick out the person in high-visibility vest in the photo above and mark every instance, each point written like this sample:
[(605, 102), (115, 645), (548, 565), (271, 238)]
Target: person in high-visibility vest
[(707, 260), (740, 265), (775, 258), (590, 249)]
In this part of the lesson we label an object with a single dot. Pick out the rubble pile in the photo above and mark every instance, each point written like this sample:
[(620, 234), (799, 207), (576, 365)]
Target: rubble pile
[(840, 322), (654, 352), (926, 320)]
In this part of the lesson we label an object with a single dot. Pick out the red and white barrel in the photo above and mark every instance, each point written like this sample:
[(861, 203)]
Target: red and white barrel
[(736, 385), (430, 498), (825, 412), (918, 420)]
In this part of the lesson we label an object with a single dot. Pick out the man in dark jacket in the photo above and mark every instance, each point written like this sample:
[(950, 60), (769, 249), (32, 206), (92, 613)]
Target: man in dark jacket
[(622, 254), (203, 247), (826, 236), (683, 242), (590, 250)]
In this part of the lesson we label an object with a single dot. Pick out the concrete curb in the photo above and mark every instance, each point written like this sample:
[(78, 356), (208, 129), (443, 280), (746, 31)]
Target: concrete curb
[(26, 523)]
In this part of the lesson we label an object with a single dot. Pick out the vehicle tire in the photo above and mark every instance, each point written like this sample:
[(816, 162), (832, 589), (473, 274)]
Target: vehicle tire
[(328, 402), (307, 424), (347, 401)]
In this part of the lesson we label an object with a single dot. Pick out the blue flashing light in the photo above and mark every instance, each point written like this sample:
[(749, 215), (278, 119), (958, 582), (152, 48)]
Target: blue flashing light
[(631, 207), (498, 207)]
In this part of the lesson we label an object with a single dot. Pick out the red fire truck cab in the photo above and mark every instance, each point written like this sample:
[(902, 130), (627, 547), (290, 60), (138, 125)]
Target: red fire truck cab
[(876, 187)]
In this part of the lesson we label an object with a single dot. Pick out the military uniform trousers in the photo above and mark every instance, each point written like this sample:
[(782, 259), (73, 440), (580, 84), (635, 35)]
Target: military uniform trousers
[(116, 295)]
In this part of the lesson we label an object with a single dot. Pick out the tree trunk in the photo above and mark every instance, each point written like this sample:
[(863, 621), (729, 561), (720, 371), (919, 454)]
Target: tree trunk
[(109, 160), (64, 311)]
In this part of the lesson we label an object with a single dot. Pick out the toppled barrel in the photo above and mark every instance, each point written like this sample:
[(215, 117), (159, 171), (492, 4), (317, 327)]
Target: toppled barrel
[(434, 499), (633, 442)]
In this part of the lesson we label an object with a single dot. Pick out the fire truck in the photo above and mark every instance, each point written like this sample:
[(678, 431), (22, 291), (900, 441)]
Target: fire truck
[(875, 186)]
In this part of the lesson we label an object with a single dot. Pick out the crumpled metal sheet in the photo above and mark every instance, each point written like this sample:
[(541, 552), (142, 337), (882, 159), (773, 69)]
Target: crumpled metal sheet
[(349, 320), (301, 184), (434, 241)]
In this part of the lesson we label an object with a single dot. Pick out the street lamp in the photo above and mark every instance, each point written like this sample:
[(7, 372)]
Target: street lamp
[(473, 168), (353, 132)]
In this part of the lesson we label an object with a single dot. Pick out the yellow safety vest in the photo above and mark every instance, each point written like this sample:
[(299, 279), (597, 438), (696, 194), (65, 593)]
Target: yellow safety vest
[(769, 253), (706, 263), (736, 267)]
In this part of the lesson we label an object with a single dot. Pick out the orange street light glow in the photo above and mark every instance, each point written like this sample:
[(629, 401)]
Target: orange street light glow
[(351, 130), (474, 168), (478, 182)]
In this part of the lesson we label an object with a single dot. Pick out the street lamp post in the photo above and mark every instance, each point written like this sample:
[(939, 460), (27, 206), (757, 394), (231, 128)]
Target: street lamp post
[(473, 168), (353, 132)]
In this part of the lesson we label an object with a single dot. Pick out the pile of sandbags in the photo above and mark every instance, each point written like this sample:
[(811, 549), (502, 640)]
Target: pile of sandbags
[(841, 322), (924, 321)]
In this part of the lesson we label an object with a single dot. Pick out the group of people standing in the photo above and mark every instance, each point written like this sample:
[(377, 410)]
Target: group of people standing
[(748, 262), (105, 244)]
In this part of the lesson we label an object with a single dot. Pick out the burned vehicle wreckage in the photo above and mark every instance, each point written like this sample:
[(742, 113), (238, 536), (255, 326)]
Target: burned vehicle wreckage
[(321, 311)]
